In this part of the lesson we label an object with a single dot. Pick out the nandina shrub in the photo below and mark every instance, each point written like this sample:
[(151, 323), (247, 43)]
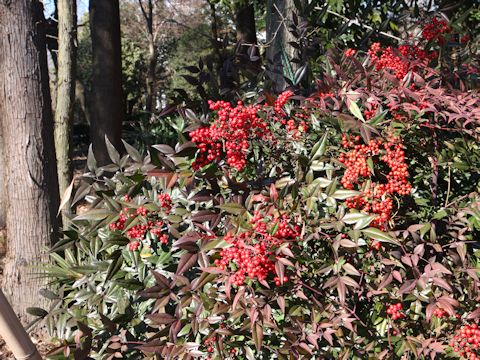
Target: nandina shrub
[(342, 225)]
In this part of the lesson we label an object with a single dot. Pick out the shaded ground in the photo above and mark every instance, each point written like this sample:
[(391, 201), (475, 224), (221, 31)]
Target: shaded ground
[(42, 346)]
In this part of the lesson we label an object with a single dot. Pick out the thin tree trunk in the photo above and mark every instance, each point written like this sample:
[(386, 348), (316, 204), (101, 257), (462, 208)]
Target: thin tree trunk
[(215, 35), (280, 52), (107, 95), (152, 57), (151, 77), (32, 187), (67, 24), (246, 33)]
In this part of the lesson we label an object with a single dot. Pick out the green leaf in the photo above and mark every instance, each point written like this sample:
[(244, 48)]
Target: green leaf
[(232, 208), (134, 154), (345, 194), (382, 327), (376, 234), (322, 182), (94, 214), (440, 214), (36, 311), (112, 152), (130, 284), (215, 244), (319, 148), (424, 229), (378, 118), (91, 162), (115, 265), (185, 330), (354, 217), (355, 110), (249, 353)]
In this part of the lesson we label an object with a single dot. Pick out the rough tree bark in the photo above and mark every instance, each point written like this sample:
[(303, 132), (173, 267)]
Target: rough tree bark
[(32, 187), (67, 28), (107, 95), (280, 52), (3, 193), (246, 33), (147, 12)]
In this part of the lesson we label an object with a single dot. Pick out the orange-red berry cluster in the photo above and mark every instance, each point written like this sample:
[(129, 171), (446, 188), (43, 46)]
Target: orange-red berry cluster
[(375, 197), (395, 311), (150, 222), (252, 252), (466, 342), (233, 128)]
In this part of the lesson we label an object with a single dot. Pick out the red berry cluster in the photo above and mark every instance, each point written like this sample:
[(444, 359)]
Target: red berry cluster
[(435, 29), (439, 312), (465, 39), (281, 101), (350, 53), (232, 130), (375, 197), (229, 133), (466, 342), (165, 201), (387, 59), (395, 311), (400, 60), (210, 343), (372, 112), (252, 252), (150, 222)]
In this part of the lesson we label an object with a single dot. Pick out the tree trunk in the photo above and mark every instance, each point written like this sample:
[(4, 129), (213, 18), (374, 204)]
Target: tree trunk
[(152, 57), (151, 76), (107, 95), (81, 97), (32, 187), (280, 52), (67, 24), (215, 35), (246, 34), (3, 193)]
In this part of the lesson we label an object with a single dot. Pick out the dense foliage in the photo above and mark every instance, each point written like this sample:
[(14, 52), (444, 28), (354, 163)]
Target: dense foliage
[(338, 225)]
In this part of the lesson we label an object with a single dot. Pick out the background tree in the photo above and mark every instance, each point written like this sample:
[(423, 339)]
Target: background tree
[(32, 187), (67, 24), (147, 12), (107, 95), (246, 31), (280, 51)]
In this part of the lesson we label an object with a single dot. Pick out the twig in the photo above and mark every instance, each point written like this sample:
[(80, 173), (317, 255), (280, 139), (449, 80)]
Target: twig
[(356, 22), (448, 186), (342, 306)]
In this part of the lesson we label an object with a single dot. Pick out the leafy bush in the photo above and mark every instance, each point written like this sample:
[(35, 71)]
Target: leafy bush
[(342, 225)]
